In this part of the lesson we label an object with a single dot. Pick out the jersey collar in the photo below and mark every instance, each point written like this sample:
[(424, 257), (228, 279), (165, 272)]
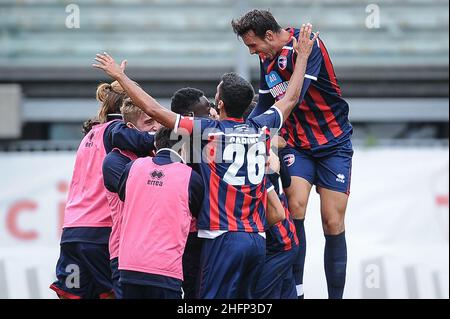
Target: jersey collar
[(167, 152)]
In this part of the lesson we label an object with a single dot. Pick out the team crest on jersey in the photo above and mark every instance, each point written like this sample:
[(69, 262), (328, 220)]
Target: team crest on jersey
[(282, 62), (289, 159)]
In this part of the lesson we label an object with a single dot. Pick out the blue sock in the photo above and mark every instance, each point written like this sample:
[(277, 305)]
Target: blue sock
[(335, 264), (299, 264)]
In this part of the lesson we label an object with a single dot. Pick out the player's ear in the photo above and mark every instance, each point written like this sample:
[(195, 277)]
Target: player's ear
[(130, 125), (269, 35), (220, 105)]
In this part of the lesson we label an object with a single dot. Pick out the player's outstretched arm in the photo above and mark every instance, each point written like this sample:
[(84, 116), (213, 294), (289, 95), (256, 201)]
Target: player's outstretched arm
[(304, 48), (140, 98)]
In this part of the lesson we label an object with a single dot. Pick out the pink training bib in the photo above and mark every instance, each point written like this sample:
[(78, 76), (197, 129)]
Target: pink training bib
[(156, 218)]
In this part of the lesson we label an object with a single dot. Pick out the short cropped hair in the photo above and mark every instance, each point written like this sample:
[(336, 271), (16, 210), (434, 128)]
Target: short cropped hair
[(236, 94), (258, 21), (184, 100)]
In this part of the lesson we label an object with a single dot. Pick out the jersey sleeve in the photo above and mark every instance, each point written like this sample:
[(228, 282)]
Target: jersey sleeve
[(312, 68), (118, 135), (113, 168), (184, 125), (314, 62), (123, 181), (265, 100), (272, 119), (191, 125), (196, 193)]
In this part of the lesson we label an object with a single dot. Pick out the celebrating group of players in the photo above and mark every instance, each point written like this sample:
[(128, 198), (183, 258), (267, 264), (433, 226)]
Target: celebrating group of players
[(207, 200)]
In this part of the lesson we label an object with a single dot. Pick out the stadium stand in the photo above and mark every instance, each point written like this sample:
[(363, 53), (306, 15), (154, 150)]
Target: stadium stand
[(197, 33), (174, 43)]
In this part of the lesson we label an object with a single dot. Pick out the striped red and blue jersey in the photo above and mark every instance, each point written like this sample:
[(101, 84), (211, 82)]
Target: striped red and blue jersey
[(232, 160), (321, 115), (281, 236)]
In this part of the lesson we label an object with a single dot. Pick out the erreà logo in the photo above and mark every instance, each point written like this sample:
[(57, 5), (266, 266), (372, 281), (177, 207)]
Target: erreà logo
[(156, 178), (90, 143), (341, 178), (157, 174)]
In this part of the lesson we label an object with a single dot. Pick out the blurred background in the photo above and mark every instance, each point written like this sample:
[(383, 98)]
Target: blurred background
[(392, 61)]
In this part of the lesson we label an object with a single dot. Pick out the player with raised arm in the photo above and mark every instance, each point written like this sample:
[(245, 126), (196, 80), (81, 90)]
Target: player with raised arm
[(317, 133), (233, 218)]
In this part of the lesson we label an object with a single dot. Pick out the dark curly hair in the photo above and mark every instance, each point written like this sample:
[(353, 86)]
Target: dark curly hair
[(184, 100)]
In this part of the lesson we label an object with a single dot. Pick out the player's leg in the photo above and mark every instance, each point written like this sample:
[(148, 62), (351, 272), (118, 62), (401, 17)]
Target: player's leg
[(333, 207), (270, 282), (191, 265), (288, 289), (138, 285), (255, 257), (115, 275), (224, 264), (303, 173), (298, 195), (96, 259), (73, 278), (333, 184), (216, 279), (131, 291), (162, 293), (277, 270), (134, 291)]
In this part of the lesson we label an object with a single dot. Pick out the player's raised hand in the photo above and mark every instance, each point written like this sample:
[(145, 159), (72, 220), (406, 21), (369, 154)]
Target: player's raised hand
[(305, 42), (106, 63)]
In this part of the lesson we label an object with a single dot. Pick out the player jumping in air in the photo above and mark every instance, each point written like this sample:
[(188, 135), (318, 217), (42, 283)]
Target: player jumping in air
[(317, 133), (233, 168)]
